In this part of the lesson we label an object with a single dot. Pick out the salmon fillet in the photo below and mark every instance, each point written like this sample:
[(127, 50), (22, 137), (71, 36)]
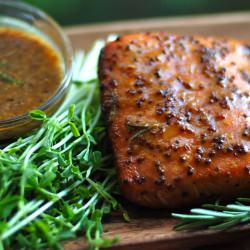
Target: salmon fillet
[(177, 109)]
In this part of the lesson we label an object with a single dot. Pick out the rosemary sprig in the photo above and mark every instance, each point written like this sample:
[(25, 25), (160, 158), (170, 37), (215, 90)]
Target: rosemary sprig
[(215, 216)]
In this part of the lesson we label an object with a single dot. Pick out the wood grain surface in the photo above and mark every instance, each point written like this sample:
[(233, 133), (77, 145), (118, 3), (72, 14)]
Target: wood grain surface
[(158, 234), (222, 25), (153, 229)]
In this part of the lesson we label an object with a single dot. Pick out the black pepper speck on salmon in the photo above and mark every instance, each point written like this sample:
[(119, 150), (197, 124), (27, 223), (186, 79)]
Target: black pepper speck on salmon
[(177, 110)]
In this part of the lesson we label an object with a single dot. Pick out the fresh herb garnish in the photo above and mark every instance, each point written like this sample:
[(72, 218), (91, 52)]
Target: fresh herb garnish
[(9, 79), (215, 216), (132, 123), (139, 127), (58, 181), (38, 115), (139, 133)]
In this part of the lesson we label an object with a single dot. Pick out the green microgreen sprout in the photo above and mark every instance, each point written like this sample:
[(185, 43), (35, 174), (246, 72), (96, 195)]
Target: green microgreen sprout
[(58, 182)]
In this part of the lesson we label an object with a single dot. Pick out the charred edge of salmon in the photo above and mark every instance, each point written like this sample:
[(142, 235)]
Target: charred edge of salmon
[(109, 102)]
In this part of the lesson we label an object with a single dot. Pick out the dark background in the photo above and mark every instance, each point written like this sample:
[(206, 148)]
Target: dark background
[(69, 12)]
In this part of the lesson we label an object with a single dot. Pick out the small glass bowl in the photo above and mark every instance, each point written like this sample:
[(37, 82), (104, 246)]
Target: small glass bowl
[(25, 17)]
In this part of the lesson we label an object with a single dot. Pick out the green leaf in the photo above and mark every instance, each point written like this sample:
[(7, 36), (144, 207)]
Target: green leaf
[(225, 225), (38, 115), (3, 226), (7, 204), (62, 161), (246, 200), (67, 210), (84, 192), (103, 193), (96, 158), (126, 216), (194, 225), (210, 212), (65, 235), (77, 83), (47, 179), (193, 217), (76, 171), (74, 129)]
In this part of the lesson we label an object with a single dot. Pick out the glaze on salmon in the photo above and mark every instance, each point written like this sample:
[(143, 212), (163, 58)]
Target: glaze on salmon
[(177, 110)]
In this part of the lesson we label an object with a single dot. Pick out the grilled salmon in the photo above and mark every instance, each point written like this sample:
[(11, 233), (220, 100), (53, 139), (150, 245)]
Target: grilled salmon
[(177, 110)]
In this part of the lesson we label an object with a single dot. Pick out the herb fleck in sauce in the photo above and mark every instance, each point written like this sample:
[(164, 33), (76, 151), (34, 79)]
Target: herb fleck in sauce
[(30, 72)]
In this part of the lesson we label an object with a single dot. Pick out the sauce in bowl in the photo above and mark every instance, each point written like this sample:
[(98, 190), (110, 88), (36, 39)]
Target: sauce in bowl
[(35, 67), (30, 72)]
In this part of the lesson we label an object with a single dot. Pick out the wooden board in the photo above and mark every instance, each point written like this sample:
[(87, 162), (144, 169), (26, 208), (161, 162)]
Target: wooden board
[(151, 229), (223, 25)]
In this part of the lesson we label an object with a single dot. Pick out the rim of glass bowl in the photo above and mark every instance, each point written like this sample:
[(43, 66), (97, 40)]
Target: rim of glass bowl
[(65, 82)]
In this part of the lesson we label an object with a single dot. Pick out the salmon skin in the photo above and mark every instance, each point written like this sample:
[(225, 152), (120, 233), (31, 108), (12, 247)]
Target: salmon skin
[(177, 110)]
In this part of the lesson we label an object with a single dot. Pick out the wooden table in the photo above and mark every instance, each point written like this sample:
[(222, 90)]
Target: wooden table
[(154, 229)]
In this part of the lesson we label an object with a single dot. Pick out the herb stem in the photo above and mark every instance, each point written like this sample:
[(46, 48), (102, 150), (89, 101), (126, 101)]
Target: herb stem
[(38, 212)]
